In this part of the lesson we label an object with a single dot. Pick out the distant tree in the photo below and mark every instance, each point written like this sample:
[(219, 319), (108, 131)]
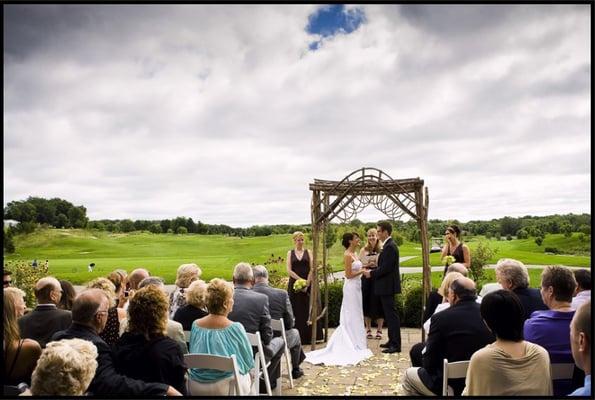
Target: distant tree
[(508, 237), (126, 225), (78, 217), (165, 225), (61, 221), (155, 228), (331, 236), (522, 234), (538, 240), (182, 230), (508, 226), (586, 229), (170, 230), (8, 242), (20, 211), (566, 229), (201, 228), (398, 238)]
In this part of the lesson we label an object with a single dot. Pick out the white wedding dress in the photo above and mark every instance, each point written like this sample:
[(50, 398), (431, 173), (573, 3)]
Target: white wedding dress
[(348, 344)]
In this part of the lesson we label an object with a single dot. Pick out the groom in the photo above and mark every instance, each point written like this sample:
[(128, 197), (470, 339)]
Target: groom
[(386, 283)]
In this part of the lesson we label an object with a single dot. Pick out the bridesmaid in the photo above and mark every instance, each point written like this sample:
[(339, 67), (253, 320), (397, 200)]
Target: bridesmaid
[(371, 302), (455, 248), (299, 266)]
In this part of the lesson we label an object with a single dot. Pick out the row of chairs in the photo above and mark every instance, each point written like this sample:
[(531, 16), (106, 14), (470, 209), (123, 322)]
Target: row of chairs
[(229, 364), (458, 369)]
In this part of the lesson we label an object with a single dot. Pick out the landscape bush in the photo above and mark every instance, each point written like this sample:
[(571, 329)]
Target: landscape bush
[(480, 257), (553, 250), (24, 276)]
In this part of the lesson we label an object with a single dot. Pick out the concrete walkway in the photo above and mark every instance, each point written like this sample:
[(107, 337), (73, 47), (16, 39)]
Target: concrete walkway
[(379, 375)]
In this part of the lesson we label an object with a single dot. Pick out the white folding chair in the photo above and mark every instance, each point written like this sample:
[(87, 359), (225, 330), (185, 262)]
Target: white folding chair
[(453, 370), (279, 326), (562, 371), (260, 365), (221, 363)]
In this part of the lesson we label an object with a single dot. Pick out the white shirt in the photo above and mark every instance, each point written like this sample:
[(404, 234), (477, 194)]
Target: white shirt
[(580, 298)]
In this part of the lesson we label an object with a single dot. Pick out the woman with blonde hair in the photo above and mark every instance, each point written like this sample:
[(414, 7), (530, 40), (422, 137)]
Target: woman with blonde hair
[(187, 273), (111, 332), (195, 307), (299, 266), (217, 335), (119, 278), (65, 368), (371, 303), (144, 351), (20, 355)]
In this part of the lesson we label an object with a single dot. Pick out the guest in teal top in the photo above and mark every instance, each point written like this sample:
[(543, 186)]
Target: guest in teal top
[(580, 343), (215, 334)]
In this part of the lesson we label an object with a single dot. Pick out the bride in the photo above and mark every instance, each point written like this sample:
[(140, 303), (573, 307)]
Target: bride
[(348, 343)]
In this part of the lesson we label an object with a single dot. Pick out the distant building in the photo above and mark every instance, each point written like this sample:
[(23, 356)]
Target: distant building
[(10, 222)]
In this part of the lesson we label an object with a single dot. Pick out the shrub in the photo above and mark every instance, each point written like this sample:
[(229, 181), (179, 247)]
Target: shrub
[(582, 237), (508, 237), (335, 297), (585, 229), (24, 276), (480, 257), (522, 234), (551, 250), (538, 240), (170, 231), (182, 230), (412, 306)]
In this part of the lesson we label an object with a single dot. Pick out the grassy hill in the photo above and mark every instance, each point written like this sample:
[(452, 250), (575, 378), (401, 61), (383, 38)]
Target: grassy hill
[(69, 251)]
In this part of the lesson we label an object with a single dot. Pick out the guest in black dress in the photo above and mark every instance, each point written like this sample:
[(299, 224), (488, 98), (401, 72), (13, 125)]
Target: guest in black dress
[(111, 333), (299, 266), (195, 307), (455, 248), (144, 351), (371, 302)]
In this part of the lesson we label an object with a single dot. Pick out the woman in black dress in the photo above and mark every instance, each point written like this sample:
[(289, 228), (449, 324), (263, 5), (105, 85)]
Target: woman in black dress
[(455, 248), (371, 302), (299, 266)]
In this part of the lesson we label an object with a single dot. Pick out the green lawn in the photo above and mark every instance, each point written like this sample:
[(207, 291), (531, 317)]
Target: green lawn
[(70, 251)]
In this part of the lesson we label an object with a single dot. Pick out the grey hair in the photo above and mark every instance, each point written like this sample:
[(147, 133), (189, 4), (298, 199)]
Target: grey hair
[(243, 273), (457, 267), (515, 271), (260, 272), (151, 280)]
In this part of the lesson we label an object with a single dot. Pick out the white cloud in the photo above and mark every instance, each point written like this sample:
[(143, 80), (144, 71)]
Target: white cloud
[(221, 113)]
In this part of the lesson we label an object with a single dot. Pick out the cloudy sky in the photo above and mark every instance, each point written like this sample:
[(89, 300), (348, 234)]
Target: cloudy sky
[(227, 113)]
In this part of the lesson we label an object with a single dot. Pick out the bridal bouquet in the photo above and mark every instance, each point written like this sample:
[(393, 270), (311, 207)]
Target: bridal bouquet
[(300, 284), (448, 260)]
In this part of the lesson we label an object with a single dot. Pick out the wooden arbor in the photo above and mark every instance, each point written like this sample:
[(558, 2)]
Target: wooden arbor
[(343, 200)]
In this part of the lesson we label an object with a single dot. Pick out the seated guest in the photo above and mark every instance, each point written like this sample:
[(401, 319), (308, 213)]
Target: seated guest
[(489, 288), (549, 328), (134, 279), (20, 355), (68, 295), (510, 366), (65, 368), (215, 334), (195, 305), (174, 329), (580, 342), (415, 353), (89, 316), (251, 309), (118, 278), (583, 289), (144, 351), (111, 332), (280, 308), (187, 273), (512, 275), (45, 319), (435, 297), (455, 334)]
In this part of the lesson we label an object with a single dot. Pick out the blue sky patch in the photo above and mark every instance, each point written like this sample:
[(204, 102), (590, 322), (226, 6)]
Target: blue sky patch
[(330, 20)]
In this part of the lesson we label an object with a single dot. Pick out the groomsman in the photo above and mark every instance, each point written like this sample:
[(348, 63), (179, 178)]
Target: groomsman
[(387, 284)]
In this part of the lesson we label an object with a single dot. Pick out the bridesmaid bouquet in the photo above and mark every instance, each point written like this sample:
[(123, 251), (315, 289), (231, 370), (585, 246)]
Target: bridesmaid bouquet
[(299, 284), (448, 260)]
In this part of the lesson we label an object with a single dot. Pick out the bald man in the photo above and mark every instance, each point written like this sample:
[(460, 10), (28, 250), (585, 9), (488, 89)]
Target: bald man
[(46, 319), (134, 280), (89, 316), (580, 343), (455, 334)]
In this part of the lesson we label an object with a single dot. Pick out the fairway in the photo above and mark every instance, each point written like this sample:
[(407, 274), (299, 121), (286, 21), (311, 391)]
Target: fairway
[(69, 251)]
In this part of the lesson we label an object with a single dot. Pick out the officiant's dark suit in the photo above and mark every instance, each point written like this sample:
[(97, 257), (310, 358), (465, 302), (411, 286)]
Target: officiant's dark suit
[(387, 282)]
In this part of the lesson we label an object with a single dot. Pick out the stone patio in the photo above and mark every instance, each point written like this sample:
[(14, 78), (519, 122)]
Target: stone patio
[(379, 375)]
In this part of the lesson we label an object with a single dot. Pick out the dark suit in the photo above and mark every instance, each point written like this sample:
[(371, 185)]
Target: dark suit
[(455, 334), (387, 282), (530, 299), (41, 323), (280, 308), (187, 314), (251, 309), (107, 382)]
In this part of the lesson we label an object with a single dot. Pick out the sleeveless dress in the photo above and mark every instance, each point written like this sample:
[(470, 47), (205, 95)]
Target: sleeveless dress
[(371, 302), (348, 344), (300, 301), (457, 254)]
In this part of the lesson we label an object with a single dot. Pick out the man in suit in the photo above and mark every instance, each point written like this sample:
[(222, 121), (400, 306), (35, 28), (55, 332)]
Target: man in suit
[(251, 309), (455, 334), (387, 282), (280, 308), (89, 316), (175, 330), (512, 275), (46, 319)]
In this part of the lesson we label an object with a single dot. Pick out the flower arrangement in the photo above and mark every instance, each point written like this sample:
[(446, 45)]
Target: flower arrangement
[(448, 260), (300, 284)]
